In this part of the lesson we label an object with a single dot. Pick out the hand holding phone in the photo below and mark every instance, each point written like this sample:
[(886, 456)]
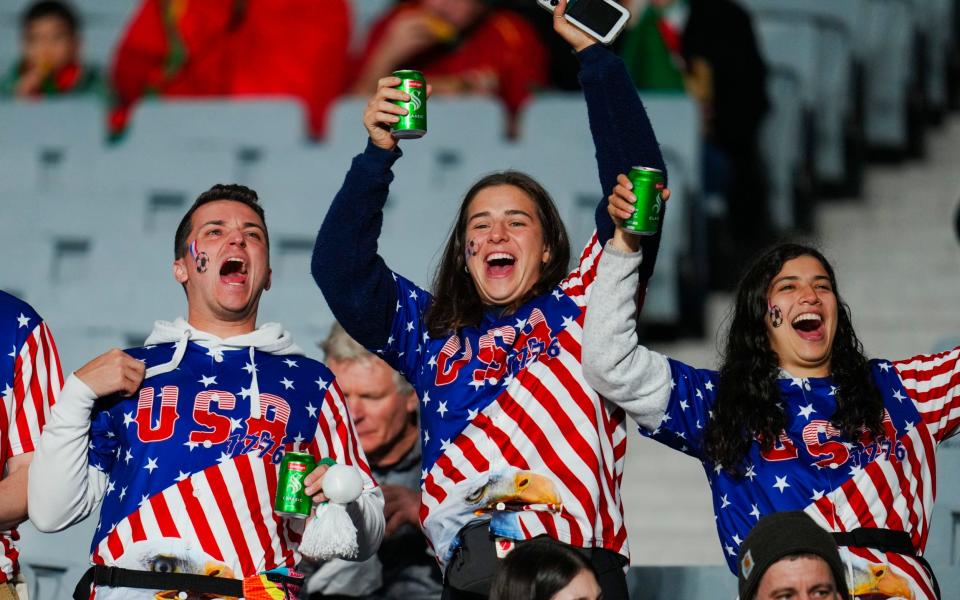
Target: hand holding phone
[(601, 19)]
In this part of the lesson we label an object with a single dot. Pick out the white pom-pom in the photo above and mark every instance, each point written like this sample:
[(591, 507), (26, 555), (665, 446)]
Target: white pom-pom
[(342, 484), (331, 533)]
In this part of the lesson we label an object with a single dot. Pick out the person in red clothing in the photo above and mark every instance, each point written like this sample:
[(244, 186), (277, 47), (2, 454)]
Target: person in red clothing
[(188, 48), (462, 46)]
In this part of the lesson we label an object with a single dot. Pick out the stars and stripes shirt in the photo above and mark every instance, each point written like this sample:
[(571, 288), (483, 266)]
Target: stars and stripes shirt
[(509, 396), (511, 431), (888, 482), (192, 474), (30, 380)]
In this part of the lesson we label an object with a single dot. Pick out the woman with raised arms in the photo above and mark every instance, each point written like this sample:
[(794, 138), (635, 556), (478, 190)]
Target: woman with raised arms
[(796, 418), (516, 445)]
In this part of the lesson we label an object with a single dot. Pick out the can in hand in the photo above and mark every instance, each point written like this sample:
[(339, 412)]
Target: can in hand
[(648, 188), (414, 123), (292, 499)]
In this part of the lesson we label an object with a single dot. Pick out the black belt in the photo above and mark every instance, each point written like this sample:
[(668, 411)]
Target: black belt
[(885, 540), (152, 580)]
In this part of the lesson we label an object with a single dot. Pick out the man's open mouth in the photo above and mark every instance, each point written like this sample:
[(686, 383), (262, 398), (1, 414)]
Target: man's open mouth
[(233, 271)]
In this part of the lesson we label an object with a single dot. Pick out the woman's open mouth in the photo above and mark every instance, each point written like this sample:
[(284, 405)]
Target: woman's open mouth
[(500, 264), (809, 326)]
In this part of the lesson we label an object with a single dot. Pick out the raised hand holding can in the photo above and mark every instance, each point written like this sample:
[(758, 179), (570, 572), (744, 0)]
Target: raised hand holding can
[(414, 124), (648, 188)]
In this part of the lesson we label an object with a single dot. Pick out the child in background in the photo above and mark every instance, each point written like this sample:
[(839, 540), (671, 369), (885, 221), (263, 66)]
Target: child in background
[(50, 62)]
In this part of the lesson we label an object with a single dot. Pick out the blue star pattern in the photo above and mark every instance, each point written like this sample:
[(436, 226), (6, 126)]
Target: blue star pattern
[(198, 417), (455, 386), (809, 462)]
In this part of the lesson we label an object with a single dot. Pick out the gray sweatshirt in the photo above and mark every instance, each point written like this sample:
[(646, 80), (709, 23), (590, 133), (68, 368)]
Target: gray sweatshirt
[(624, 372)]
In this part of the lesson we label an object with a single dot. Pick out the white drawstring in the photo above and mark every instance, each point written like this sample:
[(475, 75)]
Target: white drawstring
[(254, 387), (180, 348), (269, 338)]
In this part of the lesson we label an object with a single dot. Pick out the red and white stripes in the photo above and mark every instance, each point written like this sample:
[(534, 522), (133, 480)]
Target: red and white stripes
[(226, 510), (37, 380), (933, 382), (549, 421)]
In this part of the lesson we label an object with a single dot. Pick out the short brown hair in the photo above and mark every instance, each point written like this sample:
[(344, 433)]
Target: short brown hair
[(221, 191)]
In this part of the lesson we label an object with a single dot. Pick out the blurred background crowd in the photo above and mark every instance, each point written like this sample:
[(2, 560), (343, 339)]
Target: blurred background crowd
[(115, 114)]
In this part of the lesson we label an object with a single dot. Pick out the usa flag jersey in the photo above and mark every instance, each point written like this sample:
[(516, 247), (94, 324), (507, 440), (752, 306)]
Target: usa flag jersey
[(30, 380), (511, 431), (887, 482), (192, 464)]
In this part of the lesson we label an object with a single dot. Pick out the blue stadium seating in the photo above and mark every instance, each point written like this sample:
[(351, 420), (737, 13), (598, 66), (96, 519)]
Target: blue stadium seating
[(237, 125), (782, 143), (889, 33), (66, 123)]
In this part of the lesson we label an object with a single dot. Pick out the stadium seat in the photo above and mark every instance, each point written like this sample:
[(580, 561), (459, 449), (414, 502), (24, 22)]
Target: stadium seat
[(241, 125), (9, 40), (833, 50), (782, 141), (61, 123), (889, 29), (938, 19)]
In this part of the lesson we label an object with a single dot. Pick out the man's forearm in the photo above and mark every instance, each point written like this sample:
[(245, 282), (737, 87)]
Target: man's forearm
[(13, 498), (65, 489)]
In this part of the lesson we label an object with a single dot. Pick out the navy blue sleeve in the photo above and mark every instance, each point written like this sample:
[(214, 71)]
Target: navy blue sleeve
[(621, 133), (354, 280)]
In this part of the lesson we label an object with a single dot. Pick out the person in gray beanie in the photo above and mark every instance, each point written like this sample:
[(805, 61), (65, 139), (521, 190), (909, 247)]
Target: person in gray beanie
[(788, 555)]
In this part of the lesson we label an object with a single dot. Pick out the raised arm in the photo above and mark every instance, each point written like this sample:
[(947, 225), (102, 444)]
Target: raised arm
[(619, 125), (614, 362), (354, 279)]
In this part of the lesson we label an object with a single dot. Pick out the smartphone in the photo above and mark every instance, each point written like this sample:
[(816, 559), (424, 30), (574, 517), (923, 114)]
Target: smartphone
[(602, 19)]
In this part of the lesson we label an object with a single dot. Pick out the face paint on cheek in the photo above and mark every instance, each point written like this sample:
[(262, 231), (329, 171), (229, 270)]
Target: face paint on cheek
[(776, 317), (473, 248), (199, 257)]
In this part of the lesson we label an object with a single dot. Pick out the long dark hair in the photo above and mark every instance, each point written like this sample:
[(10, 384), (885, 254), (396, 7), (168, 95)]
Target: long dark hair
[(537, 570), (747, 394), (456, 302)]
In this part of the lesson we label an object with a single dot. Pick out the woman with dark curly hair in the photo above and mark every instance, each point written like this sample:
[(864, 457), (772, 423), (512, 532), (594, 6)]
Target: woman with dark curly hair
[(796, 418)]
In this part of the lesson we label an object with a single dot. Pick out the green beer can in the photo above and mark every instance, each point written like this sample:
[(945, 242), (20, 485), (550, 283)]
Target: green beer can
[(292, 499), (648, 188), (414, 123)]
